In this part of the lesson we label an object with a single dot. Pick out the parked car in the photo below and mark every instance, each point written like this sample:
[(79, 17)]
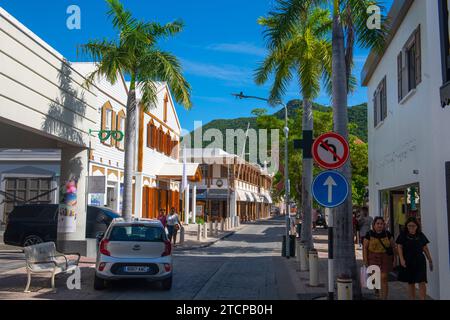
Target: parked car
[(37, 223), (134, 250)]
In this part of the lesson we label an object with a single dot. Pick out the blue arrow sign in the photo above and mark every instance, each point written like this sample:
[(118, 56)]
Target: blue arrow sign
[(330, 189)]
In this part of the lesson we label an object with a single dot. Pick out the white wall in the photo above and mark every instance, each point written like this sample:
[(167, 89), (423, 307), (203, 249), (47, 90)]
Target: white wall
[(38, 90), (408, 138)]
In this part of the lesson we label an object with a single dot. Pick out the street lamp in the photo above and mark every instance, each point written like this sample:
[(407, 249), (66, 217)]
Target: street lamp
[(286, 158)]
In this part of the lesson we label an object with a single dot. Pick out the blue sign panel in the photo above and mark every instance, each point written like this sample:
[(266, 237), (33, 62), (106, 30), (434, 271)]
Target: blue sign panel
[(330, 189)]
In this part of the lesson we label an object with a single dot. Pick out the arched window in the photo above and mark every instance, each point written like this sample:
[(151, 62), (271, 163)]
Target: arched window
[(121, 127), (108, 121)]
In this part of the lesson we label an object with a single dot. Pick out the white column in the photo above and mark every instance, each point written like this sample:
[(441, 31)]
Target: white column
[(71, 235), (194, 203), (233, 209), (138, 195), (117, 206), (186, 205)]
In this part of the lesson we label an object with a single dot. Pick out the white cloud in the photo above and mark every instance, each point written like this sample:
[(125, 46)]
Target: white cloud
[(222, 72), (240, 47)]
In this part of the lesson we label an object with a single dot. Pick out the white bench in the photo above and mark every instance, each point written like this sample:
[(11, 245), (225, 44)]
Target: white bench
[(43, 258)]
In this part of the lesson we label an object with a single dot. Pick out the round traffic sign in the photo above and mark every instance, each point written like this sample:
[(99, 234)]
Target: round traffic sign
[(330, 189), (330, 150)]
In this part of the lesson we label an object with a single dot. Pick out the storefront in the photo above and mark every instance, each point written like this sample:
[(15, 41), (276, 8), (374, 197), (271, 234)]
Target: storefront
[(399, 204)]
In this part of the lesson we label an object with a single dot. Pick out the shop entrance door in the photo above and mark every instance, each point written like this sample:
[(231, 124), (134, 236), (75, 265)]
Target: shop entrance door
[(111, 198)]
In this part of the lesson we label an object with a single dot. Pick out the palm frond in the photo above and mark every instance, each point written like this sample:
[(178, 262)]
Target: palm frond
[(149, 97), (122, 19), (159, 65), (156, 30), (366, 37)]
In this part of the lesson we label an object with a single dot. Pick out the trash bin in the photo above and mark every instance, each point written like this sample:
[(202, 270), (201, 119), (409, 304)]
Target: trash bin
[(291, 246)]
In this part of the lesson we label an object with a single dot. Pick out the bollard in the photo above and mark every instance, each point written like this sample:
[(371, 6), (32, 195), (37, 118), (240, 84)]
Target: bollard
[(181, 241), (199, 232), (222, 225), (228, 224), (344, 289), (205, 231), (216, 227), (297, 253), (303, 257), (313, 268), (210, 227)]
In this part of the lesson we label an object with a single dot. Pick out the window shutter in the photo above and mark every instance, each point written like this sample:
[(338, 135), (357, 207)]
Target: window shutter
[(384, 100), (400, 76), (113, 126), (149, 135), (375, 109), (418, 56)]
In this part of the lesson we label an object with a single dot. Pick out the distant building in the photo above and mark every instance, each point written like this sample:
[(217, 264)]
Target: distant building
[(231, 187), (409, 156)]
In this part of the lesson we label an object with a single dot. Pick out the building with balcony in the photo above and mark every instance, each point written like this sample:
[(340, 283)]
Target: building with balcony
[(230, 187)]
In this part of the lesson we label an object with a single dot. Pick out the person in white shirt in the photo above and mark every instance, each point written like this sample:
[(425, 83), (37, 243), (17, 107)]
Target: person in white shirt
[(173, 225)]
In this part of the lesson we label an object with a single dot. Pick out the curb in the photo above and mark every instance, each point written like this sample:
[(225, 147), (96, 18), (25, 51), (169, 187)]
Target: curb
[(206, 244)]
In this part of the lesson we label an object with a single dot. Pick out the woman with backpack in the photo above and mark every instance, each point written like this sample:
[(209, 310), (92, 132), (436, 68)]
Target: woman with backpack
[(379, 249)]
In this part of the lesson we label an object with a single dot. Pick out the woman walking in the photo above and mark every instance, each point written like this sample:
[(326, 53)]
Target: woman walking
[(173, 225), (412, 249), (379, 249)]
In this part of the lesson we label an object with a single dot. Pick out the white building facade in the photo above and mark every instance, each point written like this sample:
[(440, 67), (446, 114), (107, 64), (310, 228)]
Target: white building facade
[(409, 164)]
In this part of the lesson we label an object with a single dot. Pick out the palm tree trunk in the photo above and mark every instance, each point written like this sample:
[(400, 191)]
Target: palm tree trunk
[(130, 142), (306, 234), (344, 249)]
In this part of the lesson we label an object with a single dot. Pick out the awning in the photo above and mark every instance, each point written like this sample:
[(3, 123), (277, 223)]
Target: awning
[(174, 171), (201, 194), (240, 195), (250, 197), (217, 194), (257, 197), (267, 198)]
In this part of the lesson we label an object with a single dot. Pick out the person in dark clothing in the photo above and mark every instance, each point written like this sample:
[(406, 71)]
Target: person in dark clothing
[(412, 249)]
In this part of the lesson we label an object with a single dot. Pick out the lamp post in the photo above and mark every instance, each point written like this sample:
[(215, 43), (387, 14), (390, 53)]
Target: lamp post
[(286, 159)]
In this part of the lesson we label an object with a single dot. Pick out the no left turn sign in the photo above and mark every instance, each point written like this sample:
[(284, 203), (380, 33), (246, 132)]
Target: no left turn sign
[(330, 150)]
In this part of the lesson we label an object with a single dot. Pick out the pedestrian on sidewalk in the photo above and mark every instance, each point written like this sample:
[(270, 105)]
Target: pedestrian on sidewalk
[(314, 218), (355, 227), (379, 249), (412, 250), (163, 217), (173, 225), (365, 223)]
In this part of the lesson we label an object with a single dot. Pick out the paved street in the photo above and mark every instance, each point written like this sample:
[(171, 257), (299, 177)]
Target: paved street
[(245, 266)]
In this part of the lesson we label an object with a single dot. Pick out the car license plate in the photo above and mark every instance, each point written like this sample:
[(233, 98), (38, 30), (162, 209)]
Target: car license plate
[(136, 269)]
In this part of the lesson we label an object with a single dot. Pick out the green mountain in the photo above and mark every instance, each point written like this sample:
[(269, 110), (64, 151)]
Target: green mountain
[(357, 116)]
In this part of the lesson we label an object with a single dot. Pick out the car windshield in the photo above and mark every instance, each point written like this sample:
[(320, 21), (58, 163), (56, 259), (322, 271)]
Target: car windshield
[(143, 233)]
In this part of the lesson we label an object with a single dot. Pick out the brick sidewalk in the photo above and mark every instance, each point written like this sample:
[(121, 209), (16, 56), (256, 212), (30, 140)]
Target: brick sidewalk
[(397, 290), (190, 237)]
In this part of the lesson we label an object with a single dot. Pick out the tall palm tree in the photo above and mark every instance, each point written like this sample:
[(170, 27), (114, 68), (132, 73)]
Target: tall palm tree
[(349, 29), (305, 53), (136, 56)]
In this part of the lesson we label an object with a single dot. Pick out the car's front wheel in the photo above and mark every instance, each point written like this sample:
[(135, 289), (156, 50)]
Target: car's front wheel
[(99, 283), (32, 240), (167, 283)]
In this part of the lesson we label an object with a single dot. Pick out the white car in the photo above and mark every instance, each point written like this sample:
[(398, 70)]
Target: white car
[(130, 250)]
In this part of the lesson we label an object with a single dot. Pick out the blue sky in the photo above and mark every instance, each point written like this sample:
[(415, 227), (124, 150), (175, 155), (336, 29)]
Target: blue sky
[(220, 47)]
